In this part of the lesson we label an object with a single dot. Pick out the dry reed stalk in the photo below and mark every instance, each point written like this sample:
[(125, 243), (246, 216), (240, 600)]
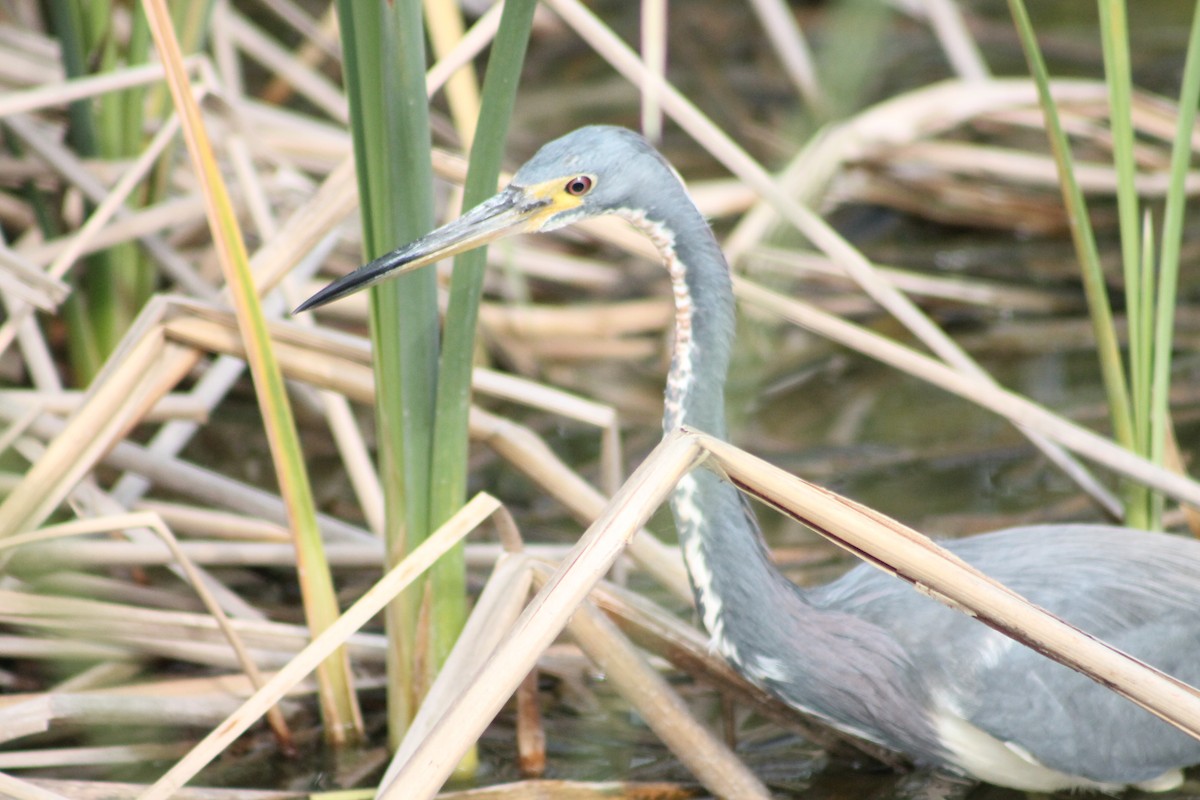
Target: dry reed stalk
[(22, 790), (59, 94), (20, 278), (119, 623), (231, 684), (500, 604), (653, 43), (990, 294), (531, 734), (176, 405), (444, 26), (1017, 409), (318, 43), (187, 520), (706, 756), (999, 165), (435, 756), (44, 712), (574, 790), (112, 790), (35, 559), (221, 553), (783, 32), (957, 43), (594, 320), (422, 558), (57, 757), (571, 351), (255, 44)]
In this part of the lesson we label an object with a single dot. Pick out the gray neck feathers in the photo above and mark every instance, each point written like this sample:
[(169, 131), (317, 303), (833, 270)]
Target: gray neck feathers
[(732, 576)]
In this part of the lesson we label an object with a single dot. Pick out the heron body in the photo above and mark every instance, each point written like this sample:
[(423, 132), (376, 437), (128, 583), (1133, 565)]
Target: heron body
[(866, 652)]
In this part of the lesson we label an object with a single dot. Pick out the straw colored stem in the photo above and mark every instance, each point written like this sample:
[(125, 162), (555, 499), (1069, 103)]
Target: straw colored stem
[(434, 758), (370, 604), (663, 710)]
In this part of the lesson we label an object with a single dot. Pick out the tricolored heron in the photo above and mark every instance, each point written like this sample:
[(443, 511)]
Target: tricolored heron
[(866, 652)]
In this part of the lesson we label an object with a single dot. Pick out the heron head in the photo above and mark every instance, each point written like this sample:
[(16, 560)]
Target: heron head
[(590, 172)]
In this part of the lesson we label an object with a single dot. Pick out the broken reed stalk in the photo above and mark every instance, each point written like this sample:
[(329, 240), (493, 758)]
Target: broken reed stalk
[(663, 710), (371, 603)]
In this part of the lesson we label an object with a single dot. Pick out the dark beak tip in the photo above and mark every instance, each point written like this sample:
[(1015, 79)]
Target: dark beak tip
[(306, 305)]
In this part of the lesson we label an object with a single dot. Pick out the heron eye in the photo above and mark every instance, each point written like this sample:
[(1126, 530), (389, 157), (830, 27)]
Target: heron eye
[(579, 186)]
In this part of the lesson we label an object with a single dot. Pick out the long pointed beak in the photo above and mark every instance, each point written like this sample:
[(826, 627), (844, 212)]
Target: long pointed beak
[(511, 211)]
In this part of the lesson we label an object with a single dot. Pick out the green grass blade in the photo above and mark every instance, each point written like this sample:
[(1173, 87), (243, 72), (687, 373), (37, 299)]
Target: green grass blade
[(1141, 364), (1111, 365), (385, 80), (1114, 39), (1172, 237), (339, 705), (466, 286)]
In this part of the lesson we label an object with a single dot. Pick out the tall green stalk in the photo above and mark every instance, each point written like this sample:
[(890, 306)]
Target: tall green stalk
[(1118, 76), (422, 403), (1139, 410), (119, 280), (1172, 238), (466, 285), (385, 82)]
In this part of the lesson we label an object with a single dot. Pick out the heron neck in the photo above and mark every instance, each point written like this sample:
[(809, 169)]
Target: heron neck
[(704, 320), (733, 578)]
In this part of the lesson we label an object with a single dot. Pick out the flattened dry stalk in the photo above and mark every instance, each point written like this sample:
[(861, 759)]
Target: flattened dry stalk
[(900, 550), (43, 758), (433, 759), (176, 405), (708, 758), (63, 92), (528, 453), (371, 603), (142, 370), (499, 605), (574, 790), (155, 526), (978, 389), (982, 292), (42, 712), (23, 790)]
